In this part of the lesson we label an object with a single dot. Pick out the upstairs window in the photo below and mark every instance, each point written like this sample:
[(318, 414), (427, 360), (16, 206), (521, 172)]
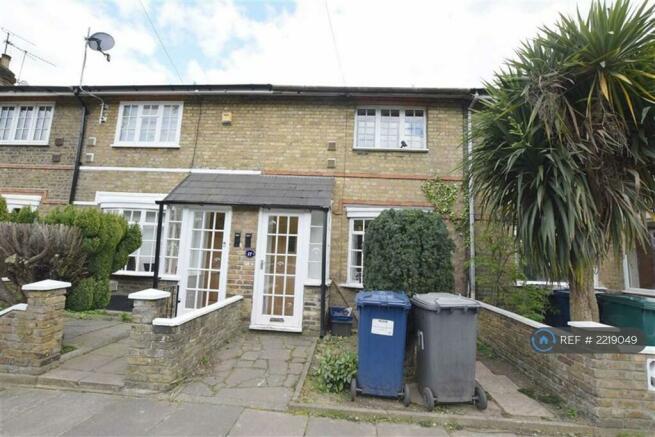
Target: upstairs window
[(149, 124), (390, 129), (25, 123)]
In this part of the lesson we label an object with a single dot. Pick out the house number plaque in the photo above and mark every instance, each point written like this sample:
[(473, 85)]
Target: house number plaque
[(250, 253)]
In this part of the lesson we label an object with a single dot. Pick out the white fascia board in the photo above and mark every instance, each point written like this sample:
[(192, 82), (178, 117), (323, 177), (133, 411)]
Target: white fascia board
[(22, 200), (358, 211), (109, 199)]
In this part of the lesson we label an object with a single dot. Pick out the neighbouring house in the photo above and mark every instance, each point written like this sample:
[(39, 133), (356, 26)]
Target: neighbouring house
[(244, 186)]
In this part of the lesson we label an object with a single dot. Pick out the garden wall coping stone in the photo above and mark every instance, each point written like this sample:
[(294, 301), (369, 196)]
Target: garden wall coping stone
[(184, 318), (149, 294), (17, 307), (46, 285)]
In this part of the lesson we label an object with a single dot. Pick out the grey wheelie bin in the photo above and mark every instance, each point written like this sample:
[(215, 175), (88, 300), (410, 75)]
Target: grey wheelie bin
[(446, 344)]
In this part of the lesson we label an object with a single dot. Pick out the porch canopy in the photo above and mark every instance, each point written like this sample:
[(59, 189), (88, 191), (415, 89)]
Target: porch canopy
[(253, 190), (267, 191)]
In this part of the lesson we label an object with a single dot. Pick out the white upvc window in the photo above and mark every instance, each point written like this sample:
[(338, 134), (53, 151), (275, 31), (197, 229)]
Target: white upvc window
[(25, 123), (173, 236), (639, 267), (390, 128), (356, 234), (316, 248), (141, 260), (148, 124)]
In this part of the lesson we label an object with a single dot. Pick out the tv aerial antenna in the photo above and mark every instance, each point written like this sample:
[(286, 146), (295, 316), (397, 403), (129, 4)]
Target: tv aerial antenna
[(100, 42), (26, 53)]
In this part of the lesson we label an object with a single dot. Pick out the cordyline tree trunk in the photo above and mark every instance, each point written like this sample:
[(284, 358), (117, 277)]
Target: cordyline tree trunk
[(582, 303)]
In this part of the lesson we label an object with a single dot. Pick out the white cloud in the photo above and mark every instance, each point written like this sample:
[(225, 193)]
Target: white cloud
[(399, 43)]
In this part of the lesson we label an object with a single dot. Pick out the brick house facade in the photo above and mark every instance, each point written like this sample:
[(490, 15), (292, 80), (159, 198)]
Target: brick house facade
[(281, 131), (352, 135)]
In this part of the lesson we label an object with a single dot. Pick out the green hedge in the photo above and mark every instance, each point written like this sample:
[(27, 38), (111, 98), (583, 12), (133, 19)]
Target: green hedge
[(108, 241), (23, 215), (408, 250)]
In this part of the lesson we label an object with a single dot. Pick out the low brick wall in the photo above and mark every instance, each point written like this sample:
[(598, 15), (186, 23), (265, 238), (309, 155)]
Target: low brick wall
[(31, 334), (163, 351), (610, 389)]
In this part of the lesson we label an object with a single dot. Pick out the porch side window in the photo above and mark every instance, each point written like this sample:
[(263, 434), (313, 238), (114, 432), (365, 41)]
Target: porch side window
[(356, 250), (640, 264), (316, 247), (173, 233), (25, 123), (390, 128), (141, 260), (148, 124)]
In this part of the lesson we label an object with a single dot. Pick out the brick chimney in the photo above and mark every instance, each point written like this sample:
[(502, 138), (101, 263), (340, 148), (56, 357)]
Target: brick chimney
[(7, 77)]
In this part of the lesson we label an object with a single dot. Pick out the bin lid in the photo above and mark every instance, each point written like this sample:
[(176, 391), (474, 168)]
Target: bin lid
[(568, 291), (383, 298), (439, 301), (643, 302)]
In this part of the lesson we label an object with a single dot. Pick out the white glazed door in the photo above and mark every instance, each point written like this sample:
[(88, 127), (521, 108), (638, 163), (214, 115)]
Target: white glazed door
[(281, 267), (204, 262)]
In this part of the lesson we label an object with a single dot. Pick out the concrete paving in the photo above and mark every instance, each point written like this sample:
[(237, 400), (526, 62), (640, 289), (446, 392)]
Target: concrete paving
[(505, 393), (90, 334), (256, 369), (38, 412)]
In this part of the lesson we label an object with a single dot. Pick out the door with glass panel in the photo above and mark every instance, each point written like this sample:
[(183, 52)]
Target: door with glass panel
[(205, 246), (281, 267)]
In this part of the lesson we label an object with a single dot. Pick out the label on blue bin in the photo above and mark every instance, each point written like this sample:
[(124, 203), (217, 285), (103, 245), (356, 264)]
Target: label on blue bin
[(382, 327)]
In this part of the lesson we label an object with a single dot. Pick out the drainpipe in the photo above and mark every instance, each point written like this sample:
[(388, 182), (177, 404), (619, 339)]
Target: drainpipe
[(324, 271), (80, 144), (469, 128)]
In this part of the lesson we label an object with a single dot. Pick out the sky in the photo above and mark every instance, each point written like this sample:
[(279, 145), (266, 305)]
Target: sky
[(412, 43)]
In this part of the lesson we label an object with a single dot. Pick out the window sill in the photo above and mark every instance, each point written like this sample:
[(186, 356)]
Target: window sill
[(316, 282), (380, 149), (640, 291), (28, 144), (145, 146), (351, 285)]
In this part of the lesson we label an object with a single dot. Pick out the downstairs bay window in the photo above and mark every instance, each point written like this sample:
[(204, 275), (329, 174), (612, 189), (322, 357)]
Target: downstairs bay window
[(316, 249), (141, 260)]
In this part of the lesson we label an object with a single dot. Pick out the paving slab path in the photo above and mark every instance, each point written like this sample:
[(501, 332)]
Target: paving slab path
[(52, 412), (256, 369)]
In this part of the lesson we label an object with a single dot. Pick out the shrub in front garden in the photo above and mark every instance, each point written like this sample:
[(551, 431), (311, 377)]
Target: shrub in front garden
[(107, 241), (33, 252), (22, 215), (408, 250), (335, 370)]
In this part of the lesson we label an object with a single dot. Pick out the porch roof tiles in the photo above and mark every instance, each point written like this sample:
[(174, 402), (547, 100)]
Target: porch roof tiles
[(253, 190)]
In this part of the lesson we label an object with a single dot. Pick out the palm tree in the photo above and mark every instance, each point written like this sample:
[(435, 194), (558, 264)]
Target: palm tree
[(565, 143)]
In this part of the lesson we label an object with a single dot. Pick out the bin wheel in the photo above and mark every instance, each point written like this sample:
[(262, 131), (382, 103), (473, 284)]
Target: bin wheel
[(353, 389), (480, 397), (407, 396), (428, 399)]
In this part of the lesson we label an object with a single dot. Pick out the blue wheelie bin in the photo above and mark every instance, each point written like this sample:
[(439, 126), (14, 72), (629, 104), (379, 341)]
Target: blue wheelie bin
[(381, 345)]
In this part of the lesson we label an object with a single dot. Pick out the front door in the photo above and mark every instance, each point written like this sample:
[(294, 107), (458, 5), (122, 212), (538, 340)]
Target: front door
[(281, 267), (204, 269)]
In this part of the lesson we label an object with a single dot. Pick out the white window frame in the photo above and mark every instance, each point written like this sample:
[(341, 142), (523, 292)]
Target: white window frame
[(311, 282), (401, 130), (626, 281), (14, 124), (148, 144), (18, 201), (107, 200)]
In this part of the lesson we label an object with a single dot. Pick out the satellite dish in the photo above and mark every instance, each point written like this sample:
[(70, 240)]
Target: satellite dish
[(100, 42)]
